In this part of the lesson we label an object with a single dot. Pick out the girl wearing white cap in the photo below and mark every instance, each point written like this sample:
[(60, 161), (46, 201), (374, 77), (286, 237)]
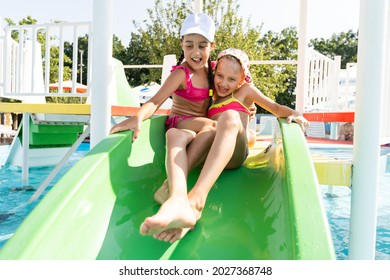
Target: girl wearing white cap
[(189, 84)]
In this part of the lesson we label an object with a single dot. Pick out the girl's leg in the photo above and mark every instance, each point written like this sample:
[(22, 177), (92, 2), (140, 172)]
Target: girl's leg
[(176, 158), (199, 148), (176, 211), (197, 151), (227, 151)]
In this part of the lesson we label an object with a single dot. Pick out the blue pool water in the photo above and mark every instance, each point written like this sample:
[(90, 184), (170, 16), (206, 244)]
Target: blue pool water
[(14, 197), (337, 201)]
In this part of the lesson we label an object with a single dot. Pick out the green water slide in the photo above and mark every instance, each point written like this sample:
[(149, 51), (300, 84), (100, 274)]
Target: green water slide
[(268, 209)]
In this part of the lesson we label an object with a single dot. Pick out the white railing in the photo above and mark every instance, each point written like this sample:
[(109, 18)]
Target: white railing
[(25, 64), (25, 72), (322, 82), (22, 71), (347, 88)]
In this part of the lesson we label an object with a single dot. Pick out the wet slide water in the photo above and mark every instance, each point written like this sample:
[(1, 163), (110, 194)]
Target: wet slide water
[(268, 209)]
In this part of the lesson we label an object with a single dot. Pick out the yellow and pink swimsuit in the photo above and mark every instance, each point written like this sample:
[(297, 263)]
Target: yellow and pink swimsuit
[(231, 103)]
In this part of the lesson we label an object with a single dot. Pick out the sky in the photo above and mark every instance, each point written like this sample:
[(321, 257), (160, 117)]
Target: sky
[(325, 17)]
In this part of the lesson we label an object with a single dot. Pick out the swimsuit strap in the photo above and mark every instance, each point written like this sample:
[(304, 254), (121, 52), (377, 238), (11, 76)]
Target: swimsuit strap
[(190, 93), (187, 73), (236, 100), (228, 101)]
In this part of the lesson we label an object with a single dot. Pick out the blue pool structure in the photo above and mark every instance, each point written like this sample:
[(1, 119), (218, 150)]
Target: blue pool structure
[(14, 198)]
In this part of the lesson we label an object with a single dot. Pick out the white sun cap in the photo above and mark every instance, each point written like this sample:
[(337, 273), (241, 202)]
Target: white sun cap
[(199, 23)]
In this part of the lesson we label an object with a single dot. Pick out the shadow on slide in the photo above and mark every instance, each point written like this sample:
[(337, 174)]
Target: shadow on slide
[(268, 209)]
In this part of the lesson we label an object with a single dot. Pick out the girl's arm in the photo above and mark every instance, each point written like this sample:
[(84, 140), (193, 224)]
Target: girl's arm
[(134, 123), (278, 110)]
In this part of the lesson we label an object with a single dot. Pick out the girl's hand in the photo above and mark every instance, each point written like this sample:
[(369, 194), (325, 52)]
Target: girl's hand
[(304, 123), (128, 124), (252, 110)]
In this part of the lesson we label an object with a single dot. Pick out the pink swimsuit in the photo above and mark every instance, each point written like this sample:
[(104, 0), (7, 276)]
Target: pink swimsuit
[(191, 93)]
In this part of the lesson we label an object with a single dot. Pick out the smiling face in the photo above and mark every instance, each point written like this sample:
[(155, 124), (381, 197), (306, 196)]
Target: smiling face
[(228, 76), (196, 50)]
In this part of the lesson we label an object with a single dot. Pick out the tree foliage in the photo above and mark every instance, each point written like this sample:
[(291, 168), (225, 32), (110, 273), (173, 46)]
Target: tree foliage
[(344, 44), (158, 36), (280, 80)]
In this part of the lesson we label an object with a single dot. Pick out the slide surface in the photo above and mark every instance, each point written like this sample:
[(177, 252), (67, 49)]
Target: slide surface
[(268, 209)]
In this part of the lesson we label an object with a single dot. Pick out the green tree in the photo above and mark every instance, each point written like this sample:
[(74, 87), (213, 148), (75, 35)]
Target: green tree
[(26, 21), (82, 46), (280, 80), (118, 50), (343, 44), (160, 36)]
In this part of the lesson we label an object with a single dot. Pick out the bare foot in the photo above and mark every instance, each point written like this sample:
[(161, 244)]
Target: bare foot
[(176, 212), (173, 234), (162, 194)]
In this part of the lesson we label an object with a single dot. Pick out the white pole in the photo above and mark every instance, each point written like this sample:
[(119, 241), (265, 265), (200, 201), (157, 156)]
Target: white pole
[(302, 58), (102, 70), (385, 136), (198, 6), (25, 147), (370, 88)]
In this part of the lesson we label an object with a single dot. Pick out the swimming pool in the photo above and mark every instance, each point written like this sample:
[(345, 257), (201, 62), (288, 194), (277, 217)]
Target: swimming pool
[(337, 202), (14, 197)]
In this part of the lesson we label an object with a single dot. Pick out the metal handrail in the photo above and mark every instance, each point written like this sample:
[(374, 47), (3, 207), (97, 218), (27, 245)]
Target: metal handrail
[(58, 167)]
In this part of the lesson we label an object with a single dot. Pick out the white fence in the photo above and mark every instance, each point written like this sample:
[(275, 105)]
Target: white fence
[(323, 81), (25, 64), (347, 88), (24, 71)]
